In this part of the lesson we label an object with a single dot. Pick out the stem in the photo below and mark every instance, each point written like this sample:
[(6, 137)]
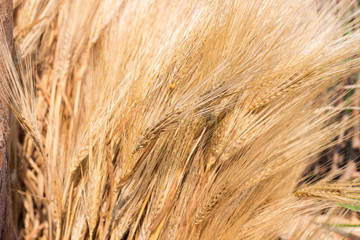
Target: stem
[(6, 17)]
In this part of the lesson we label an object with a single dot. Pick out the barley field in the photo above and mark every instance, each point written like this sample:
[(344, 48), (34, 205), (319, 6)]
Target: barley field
[(187, 119)]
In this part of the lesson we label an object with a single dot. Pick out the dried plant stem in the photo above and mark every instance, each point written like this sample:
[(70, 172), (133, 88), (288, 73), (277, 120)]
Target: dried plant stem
[(5, 217)]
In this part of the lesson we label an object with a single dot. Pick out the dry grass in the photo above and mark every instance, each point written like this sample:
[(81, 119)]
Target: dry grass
[(154, 119)]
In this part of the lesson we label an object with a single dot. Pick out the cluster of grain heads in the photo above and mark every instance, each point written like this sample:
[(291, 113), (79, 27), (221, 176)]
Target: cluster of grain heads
[(154, 119)]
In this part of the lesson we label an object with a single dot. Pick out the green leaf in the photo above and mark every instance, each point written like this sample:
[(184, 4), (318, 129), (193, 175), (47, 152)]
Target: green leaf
[(346, 225), (351, 207), (346, 235)]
